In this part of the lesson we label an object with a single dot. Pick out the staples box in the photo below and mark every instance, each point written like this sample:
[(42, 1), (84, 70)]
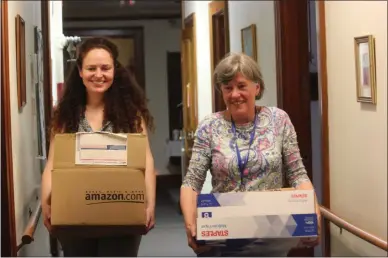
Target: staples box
[(286, 213), (98, 186)]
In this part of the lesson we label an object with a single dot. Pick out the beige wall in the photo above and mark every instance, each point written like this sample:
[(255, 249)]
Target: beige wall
[(201, 11), (56, 47), (26, 172), (262, 14), (358, 132)]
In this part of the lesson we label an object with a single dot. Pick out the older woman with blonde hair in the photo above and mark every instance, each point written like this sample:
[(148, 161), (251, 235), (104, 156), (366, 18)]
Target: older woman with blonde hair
[(246, 147)]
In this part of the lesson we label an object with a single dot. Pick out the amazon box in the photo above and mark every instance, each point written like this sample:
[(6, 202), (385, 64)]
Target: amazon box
[(256, 218), (98, 186)]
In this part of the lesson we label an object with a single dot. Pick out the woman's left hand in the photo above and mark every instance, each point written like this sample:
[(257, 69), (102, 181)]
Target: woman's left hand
[(310, 241), (150, 215)]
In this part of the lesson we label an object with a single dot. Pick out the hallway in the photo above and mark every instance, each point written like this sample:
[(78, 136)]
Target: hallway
[(309, 72), (168, 232)]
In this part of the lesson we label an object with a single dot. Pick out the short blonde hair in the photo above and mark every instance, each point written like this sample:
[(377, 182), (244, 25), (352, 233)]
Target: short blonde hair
[(234, 63)]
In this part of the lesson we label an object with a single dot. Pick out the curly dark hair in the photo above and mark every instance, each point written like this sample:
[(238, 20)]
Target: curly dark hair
[(125, 102)]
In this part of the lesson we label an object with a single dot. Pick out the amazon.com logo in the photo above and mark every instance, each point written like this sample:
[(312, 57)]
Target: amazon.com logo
[(99, 197)]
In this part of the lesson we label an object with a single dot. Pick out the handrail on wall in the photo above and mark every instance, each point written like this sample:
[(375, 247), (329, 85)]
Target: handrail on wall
[(342, 224), (28, 235)]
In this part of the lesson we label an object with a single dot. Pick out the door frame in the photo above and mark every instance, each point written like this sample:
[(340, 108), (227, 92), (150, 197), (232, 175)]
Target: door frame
[(216, 7), (190, 21), (47, 91), (8, 229), (292, 68), (134, 32), (283, 70), (323, 85), (190, 120)]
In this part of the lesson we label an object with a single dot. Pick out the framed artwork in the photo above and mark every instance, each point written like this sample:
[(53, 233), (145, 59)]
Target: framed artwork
[(38, 50), (364, 50), (248, 41), (38, 90), (20, 29)]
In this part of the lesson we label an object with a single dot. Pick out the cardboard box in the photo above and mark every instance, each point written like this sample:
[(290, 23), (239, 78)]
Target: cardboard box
[(98, 186), (251, 216)]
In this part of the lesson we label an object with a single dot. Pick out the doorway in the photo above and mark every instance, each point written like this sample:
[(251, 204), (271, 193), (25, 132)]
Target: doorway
[(219, 43), (174, 87), (175, 109), (297, 88)]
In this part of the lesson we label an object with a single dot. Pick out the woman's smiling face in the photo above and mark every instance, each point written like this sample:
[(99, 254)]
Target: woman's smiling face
[(239, 95), (97, 71)]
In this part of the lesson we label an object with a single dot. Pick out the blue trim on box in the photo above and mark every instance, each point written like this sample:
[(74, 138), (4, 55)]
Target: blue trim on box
[(207, 200), (306, 225)]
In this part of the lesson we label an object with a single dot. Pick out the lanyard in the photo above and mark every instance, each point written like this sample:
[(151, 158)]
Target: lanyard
[(242, 164)]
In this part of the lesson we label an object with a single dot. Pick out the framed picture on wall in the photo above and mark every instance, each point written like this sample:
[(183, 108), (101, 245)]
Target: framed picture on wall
[(248, 41), (364, 49), (21, 60), (38, 91)]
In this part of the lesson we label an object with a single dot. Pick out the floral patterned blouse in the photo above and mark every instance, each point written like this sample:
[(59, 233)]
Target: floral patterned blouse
[(84, 126), (274, 157)]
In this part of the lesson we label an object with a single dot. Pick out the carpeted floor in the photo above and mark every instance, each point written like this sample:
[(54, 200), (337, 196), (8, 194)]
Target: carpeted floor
[(168, 238)]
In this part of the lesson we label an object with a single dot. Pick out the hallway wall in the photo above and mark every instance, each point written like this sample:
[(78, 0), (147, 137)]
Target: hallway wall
[(358, 132), (204, 85), (201, 10), (159, 38), (26, 173), (56, 40), (262, 14)]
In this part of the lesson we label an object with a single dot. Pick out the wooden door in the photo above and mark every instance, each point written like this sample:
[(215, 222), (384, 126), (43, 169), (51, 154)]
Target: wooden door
[(219, 43), (8, 232), (189, 89), (294, 78)]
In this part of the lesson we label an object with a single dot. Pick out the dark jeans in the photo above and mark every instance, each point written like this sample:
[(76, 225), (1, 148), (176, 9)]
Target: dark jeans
[(101, 247)]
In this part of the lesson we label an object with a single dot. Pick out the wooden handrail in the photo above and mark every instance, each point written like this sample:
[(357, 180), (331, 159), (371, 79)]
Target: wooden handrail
[(342, 224), (28, 235)]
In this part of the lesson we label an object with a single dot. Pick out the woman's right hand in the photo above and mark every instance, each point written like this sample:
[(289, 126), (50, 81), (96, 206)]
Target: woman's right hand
[(46, 187), (46, 210), (191, 234)]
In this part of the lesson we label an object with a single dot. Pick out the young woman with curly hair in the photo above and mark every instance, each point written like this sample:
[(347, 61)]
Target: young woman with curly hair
[(101, 95)]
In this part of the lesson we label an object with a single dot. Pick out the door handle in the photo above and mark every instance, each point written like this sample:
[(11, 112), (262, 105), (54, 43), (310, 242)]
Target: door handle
[(41, 157)]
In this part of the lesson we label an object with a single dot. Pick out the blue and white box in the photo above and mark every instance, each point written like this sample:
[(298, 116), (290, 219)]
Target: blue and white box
[(286, 213)]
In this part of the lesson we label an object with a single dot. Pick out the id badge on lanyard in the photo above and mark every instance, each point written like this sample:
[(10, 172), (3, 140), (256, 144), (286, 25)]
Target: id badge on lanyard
[(243, 163)]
